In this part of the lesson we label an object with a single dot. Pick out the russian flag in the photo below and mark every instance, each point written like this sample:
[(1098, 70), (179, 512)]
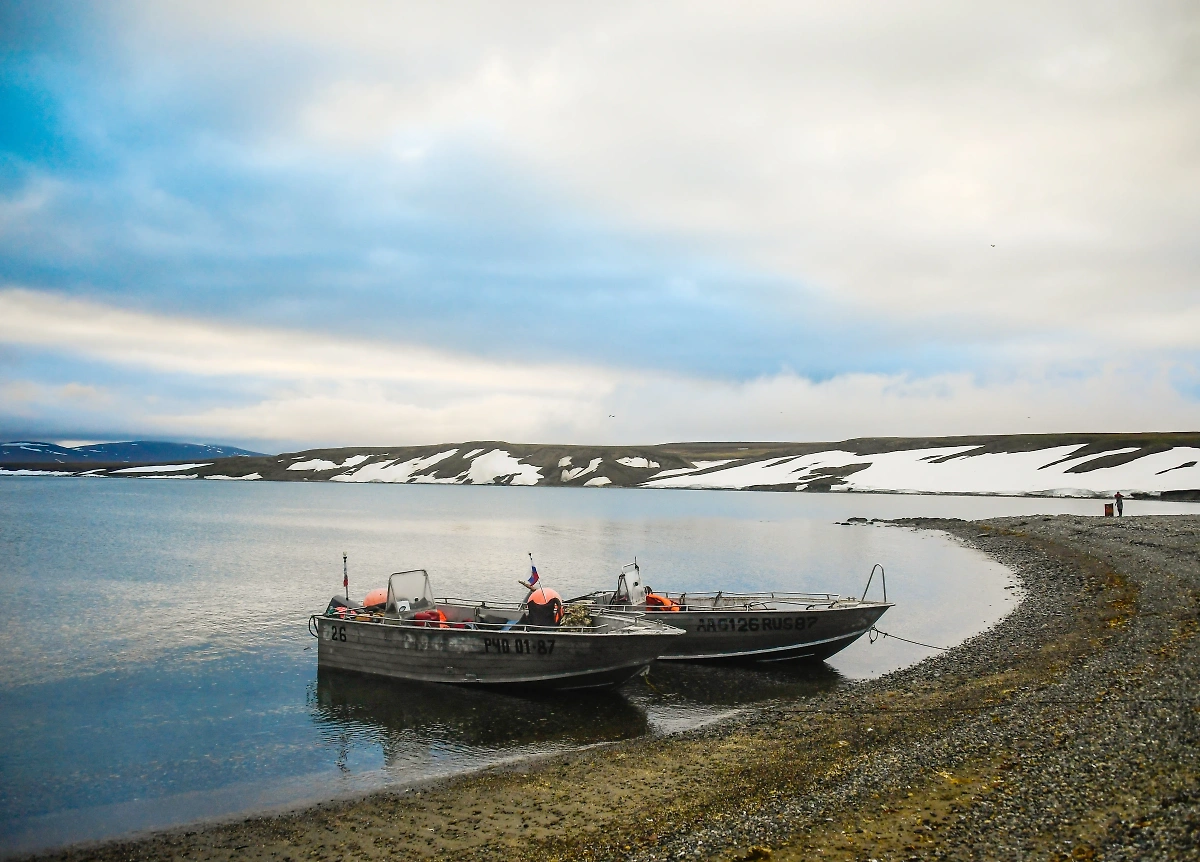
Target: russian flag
[(533, 578)]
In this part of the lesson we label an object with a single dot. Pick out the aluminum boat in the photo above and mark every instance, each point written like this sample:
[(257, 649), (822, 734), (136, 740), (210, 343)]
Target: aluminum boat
[(412, 635), (753, 626)]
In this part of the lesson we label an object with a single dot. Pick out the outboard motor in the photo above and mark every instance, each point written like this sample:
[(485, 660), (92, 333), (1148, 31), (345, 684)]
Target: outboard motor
[(630, 589)]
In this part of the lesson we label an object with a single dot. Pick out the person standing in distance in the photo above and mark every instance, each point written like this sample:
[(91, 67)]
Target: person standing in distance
[(1120, 503)]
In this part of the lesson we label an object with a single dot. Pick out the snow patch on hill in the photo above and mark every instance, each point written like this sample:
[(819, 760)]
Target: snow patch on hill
[(576, 472), (948, 466), (6, 472), (498, 464), (951, 470), (391, 471), (495, 467), (162, 468), (696, 467)]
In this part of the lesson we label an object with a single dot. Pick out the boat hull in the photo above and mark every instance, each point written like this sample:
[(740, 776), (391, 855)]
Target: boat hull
[(546, 659), (769, 635)]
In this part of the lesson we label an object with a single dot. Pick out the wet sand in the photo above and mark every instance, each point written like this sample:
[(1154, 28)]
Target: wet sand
[(1070, 730)]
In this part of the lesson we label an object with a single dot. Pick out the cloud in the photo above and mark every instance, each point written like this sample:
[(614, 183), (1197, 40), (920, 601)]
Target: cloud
[(31, 403), (649, 409), (176, 345), (183, 377), (875, 154), (278, 388), (710, 220), (789, 407), (83, 393), (19, 397), (448, 254), (335, 413)]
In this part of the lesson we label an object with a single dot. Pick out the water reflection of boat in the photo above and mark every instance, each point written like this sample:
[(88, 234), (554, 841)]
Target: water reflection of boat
[(417, 637), (762, 626), (715, 684), (483, 718)]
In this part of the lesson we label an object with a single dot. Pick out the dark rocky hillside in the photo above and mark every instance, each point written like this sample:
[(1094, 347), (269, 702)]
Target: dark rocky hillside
[(1060, 465), (26, 452)]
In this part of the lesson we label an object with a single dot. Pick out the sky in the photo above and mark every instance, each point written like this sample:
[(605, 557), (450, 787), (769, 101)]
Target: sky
[(289, 225)]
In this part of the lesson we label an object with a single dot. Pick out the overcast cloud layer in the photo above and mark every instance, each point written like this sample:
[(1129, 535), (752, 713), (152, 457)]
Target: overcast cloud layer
[(291, 225)]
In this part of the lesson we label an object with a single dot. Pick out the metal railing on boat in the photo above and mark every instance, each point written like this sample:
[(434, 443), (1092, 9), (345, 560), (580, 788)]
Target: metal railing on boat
[(362, 615), (722, 600)]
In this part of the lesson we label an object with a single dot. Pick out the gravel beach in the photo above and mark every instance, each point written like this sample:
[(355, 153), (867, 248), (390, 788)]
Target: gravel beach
[(1070, 730)]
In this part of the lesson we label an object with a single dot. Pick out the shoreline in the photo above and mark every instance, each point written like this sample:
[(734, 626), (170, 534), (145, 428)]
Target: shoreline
[(1169, 496), (1053, 734), (1168, 503)]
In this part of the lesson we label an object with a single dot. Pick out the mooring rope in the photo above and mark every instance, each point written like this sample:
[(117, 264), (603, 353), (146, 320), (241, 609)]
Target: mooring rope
[(875, 634)]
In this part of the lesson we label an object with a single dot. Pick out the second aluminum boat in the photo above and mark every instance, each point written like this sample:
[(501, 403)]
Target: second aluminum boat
[(414, 636), (765, 626)]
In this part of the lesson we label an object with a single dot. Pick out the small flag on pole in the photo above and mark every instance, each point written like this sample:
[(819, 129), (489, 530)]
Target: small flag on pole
[(530, 584)]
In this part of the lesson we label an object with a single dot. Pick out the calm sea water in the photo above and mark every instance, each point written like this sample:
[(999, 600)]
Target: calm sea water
[(157, 669)]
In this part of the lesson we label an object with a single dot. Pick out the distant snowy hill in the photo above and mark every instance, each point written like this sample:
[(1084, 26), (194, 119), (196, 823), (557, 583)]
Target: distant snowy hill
[(132, 452), (1066, 465)]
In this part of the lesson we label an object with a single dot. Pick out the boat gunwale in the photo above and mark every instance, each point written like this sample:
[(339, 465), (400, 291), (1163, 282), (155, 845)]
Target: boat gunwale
[(638, 627), (757, 606)]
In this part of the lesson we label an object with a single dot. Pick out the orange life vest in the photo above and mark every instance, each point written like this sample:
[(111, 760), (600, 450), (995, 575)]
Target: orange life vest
[(660, 603), (435, 619)]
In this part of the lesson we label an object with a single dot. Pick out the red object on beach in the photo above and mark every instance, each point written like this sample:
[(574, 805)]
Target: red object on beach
[(1108, 510)]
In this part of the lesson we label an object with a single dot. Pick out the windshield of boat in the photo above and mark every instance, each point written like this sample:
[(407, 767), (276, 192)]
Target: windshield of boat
[(409, 592)]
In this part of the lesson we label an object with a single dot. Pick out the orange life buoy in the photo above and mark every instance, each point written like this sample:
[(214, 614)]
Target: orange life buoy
[(545, 607)]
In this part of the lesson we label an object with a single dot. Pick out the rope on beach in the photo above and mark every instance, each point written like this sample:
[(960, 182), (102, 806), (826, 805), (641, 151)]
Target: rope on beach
[(875, 634)]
